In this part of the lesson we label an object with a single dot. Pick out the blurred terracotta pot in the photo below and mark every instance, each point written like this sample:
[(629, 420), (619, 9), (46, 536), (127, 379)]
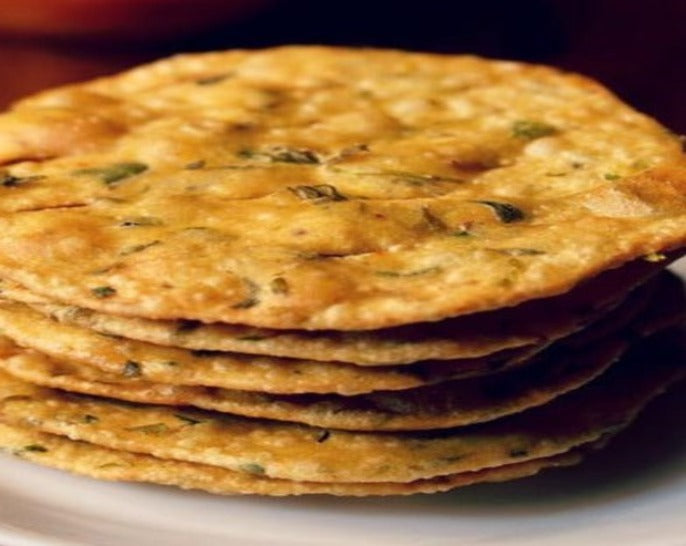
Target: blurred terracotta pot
[(120, 18)]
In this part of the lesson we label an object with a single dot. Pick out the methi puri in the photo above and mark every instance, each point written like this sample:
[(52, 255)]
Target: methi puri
[(330, 188), (371, 271)]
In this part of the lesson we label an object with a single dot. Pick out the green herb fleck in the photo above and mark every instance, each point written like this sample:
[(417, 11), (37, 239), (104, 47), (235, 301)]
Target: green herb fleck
[(155, 428), (35, 448), (452, 458), (404, 177), (530, 130), (110, 335), (8, 180), (131, 369), (195, 165), (322, 193), (114, 173), (611, 176), (140, 221), (106, 466), (138, 248), (282, 155), (506, 212), (188, 420), (518, 452), (279, 285), (655, 257), (252, 338), (210, 80), (415, 273), (518, 251), (103, 291), (252, 468), (16, 398), (104, 270), (417, 179)]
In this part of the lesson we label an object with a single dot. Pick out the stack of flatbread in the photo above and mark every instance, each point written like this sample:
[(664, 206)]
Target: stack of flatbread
[(320, 270)]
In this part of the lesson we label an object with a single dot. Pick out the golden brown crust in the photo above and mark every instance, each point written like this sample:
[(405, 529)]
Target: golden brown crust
[(340, 189), (459, 338), (560, 369), (172, 365), (448, 404), (114, 465), (297, 452)]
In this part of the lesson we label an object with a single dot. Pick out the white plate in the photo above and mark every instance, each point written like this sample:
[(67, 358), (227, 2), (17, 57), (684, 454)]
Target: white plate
[(631, 494)]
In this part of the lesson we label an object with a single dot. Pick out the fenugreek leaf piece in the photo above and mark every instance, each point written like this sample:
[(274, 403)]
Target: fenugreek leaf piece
[(655, 257), (112, 174), (321, 193), (252, 468), (403, 177), (131, 369), (210, 80), (194, 165), (416, 179), (518, 251), (153, 429), (35, 448), (188, 420), (506, 212), (531, 130), (140, 221), (138, 248), (290, 155), (8, 180), (414, 273), (282, 155), (103, 291)]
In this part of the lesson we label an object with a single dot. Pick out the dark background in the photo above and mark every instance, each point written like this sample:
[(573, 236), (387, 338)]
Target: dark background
[(635, 47)]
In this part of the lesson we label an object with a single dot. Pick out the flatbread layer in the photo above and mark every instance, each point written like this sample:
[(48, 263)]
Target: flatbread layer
[(464, 337), (130, 360), (302, 453), (447, 404), (330, 188), (137, 364), (115, 465), (555, 371)]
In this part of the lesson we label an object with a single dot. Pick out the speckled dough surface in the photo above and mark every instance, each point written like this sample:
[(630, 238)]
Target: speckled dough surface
[(561, 368), (472, 336), (131, 359), (302, 453), (114, 465), (321, 188), (448, 404)]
